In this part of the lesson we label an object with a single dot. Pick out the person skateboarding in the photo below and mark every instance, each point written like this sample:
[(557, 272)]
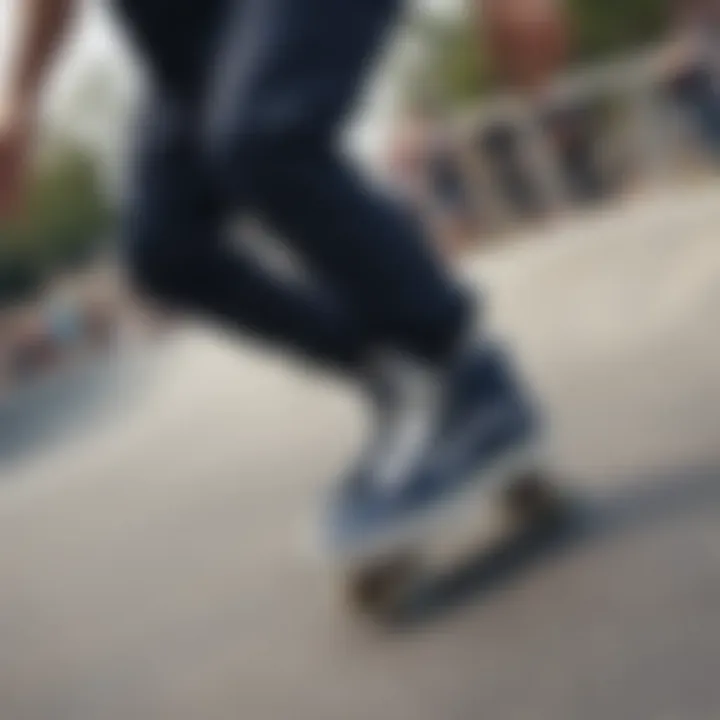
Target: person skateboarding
[(246, 100)]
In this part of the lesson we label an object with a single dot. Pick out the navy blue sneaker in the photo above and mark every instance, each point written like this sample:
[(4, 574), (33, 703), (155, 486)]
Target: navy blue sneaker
[(440, 437)]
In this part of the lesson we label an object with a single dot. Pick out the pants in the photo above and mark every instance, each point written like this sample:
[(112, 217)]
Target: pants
[(247, 100)]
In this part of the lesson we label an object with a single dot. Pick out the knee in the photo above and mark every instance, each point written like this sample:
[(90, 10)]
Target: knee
[(243, 156)]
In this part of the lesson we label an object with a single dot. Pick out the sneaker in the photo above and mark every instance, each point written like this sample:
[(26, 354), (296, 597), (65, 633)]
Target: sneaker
[(439, 436)]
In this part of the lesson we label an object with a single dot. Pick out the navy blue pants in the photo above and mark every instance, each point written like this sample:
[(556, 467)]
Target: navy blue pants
[(247, 100)]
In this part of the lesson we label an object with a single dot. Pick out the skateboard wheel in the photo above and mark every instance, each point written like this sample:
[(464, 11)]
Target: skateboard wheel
[(379, 588), (532, 497)]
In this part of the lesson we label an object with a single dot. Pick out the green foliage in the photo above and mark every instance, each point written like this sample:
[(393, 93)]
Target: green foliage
[(457, 65), (64, 220), (452, 67), (613, 26)]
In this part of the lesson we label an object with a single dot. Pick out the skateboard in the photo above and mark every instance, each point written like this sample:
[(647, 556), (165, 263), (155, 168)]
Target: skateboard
[(377, 584)]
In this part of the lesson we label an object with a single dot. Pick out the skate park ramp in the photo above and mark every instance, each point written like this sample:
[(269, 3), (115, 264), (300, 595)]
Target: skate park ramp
[(158, 566)]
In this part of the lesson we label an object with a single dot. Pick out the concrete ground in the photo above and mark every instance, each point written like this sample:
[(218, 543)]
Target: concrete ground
[(155, 564)]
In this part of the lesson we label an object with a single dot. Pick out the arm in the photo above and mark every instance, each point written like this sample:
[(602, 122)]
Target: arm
[(42, 25)]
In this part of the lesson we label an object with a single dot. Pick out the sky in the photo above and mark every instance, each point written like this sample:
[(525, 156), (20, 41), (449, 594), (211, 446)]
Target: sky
[(94, 41)]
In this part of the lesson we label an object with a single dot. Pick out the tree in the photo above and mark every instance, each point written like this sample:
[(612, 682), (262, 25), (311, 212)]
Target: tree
[(457, 64), (614, 26), (64, 221), (452, 67)]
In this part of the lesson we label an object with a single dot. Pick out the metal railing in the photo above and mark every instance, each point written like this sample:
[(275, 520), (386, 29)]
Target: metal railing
[(641, 131)]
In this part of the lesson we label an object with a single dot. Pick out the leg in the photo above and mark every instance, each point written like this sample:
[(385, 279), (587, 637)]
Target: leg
[(176, 251), (286, 73)]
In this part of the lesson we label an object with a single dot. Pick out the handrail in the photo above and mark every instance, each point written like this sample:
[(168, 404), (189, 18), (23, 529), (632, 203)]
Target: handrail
[(635, 82)]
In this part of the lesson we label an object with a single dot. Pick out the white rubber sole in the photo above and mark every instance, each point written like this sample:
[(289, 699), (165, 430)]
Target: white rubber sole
[(455, 509)]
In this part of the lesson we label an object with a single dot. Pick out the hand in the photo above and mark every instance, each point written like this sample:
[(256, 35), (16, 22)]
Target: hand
[(17, 130)]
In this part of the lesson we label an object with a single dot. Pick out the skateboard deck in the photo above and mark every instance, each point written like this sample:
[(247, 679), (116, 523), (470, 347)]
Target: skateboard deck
[(379, 581)]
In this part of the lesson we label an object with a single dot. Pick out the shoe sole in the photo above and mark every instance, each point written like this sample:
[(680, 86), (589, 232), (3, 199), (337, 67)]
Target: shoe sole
[(455, 508)]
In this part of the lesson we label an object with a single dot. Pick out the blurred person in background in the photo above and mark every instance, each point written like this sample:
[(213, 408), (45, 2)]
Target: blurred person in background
[(425, 165), (247, 99), (529, 43), (694, 66)]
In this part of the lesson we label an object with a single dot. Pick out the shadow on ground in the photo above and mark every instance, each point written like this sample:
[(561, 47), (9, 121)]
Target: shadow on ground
[(642, 502)]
